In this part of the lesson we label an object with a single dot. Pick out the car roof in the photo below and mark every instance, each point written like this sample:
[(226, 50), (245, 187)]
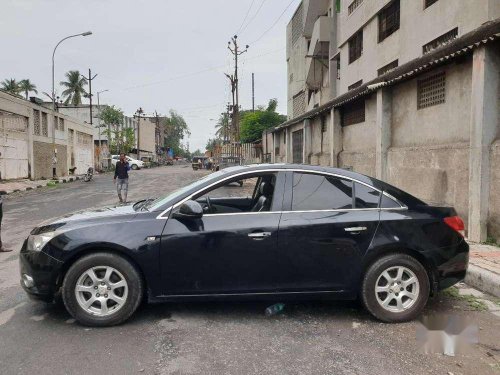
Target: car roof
[(301, 167)]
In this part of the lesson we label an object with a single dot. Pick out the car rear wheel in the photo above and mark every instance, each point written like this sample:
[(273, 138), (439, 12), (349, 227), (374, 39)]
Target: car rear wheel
[(102, 289), (395, 288)]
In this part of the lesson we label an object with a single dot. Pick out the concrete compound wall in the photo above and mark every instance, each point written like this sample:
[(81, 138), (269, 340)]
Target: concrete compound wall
[(43, 160), (494, 207), (358, 142)]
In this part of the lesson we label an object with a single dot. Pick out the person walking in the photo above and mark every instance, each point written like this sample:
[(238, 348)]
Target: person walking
[(121, 173), (2, 249)]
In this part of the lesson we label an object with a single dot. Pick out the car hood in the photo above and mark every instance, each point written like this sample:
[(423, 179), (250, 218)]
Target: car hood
[(93, 214)]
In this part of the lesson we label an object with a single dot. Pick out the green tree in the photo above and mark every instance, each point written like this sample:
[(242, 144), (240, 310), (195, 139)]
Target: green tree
[(75, 87), (120, 139), (176, 129), (26, 86), (223, 127), (252, 124), (11, 86), (212, 143)]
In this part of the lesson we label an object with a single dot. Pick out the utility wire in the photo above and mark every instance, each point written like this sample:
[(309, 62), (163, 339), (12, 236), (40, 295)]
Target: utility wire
[(195, 72), (246, 16), (253, 17), (274, 24)]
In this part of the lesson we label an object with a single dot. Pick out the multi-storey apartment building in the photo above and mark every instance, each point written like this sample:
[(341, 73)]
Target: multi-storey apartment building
[(407, 91)]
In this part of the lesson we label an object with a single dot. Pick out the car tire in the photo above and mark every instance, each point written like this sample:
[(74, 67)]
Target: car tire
[(395, 288), (129, 294), (134, 167)]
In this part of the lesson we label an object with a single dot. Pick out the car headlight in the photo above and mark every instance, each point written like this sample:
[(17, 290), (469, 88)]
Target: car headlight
[(36, 242)]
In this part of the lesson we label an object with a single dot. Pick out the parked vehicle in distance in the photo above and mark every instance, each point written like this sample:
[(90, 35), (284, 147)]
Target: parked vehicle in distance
[(290, 232), (88, 176), (225, 162), (198, 162), (134, 163)]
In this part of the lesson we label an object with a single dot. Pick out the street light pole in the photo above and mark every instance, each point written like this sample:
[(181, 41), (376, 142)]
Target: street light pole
[(54, 159), (53, 55), (99, 127)]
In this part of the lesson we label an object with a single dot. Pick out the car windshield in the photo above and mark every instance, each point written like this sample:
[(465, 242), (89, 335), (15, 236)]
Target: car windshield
[(159, 202)]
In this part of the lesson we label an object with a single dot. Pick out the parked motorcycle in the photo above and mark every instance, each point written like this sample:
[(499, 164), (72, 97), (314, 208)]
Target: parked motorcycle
[(88, 176)]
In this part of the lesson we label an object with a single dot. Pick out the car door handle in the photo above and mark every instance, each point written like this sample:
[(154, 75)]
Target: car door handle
[(354, 229), (259, 235)]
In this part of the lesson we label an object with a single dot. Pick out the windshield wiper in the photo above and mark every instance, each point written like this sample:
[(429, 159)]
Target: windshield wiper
[(146, 203)]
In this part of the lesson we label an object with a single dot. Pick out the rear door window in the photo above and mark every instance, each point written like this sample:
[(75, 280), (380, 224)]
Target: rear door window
[(318, 192), (366, 197)]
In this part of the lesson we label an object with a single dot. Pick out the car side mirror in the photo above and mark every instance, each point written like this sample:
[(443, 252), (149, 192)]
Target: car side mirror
[(189, 210)]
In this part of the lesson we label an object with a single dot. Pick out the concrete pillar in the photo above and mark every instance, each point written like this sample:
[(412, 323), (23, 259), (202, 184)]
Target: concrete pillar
[(483, 129), (287, 144), (335, 134), (383, 132), (307, 139), (273, 149)]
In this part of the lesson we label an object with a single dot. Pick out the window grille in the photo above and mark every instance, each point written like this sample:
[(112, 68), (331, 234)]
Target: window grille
[(355, 46), (440, 41), (431, 90), (355, 85), (297, 24), (56, 123), (353, 113), (45, 125), (354, 5), (428, 3), (388, 20), (36, 122), (61, 124), (299, 104), (323, 124), (387, 68)]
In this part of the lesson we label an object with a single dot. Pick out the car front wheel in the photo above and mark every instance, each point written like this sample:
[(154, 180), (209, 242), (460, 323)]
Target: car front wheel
[(102, 289), (395, 288), (134, 167)]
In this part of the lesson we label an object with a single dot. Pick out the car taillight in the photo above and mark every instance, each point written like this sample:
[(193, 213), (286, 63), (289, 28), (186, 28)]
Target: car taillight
[(456, 223)]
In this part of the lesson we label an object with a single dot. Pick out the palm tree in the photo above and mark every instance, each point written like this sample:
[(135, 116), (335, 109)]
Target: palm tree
[(74, 87), (11, 86), (26, 86), (223, 127)]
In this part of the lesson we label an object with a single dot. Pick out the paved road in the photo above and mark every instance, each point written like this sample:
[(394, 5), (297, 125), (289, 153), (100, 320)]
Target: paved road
[(210, 338)]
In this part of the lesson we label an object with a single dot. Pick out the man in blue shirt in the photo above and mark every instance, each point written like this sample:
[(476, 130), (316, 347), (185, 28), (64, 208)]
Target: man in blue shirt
[(121, 173)]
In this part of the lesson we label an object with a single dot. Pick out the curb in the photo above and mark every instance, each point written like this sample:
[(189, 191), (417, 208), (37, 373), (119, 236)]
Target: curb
[(48, 183), (482, 279)]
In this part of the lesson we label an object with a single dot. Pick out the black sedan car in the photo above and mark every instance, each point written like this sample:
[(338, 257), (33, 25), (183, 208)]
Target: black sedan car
[(289, 231)]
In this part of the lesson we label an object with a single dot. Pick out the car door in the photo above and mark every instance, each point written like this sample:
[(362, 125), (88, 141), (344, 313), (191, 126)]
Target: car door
[(326, 227), (223, 253)]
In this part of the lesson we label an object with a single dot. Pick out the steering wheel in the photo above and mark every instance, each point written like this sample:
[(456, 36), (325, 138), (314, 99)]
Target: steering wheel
[(209, 204)]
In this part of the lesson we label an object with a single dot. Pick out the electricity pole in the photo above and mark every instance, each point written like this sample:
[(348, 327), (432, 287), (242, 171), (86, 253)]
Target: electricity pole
[(253, 93), (234, 85), (138, 113), (90, 79)]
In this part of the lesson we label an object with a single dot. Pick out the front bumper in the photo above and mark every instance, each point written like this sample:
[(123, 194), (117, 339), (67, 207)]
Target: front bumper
[(42, 271)]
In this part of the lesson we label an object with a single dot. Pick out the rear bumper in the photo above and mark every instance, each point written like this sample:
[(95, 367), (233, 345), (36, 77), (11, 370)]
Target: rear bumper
[(41, 271), (453, 270)]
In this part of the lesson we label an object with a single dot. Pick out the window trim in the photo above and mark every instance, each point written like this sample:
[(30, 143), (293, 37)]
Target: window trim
[(276, 170)]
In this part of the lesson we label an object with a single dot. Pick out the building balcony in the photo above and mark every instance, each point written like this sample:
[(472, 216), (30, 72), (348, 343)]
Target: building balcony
[(313, 9), (318, 52)]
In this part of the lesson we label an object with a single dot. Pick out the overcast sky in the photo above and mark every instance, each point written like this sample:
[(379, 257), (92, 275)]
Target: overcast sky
[(155, 54)]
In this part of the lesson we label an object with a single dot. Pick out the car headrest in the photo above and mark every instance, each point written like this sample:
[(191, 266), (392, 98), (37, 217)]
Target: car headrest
[(266, 189)]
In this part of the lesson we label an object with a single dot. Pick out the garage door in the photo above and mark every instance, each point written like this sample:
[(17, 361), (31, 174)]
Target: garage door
[(13, 146), (298, 146)]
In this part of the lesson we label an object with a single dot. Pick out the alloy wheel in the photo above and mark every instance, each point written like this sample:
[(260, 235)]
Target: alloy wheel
[(397, 289), (101, 291)]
